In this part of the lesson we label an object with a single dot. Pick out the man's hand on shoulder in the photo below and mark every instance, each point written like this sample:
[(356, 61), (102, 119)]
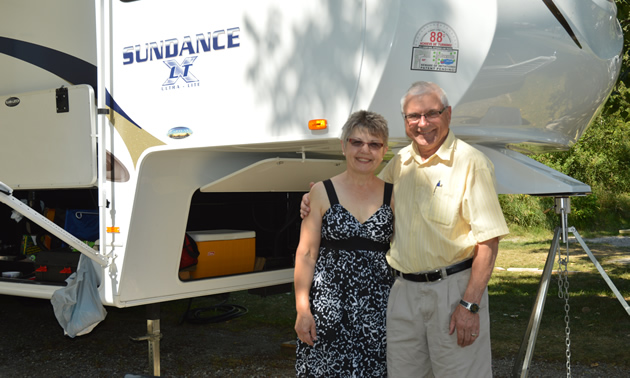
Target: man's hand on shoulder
[(306, 202)]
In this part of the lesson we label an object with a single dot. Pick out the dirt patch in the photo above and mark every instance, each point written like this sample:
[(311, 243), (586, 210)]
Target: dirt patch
[(33, 344)]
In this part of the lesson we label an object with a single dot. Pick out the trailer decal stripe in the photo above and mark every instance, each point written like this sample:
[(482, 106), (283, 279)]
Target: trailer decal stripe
[(136, 139), (109, 101), (68, 67)]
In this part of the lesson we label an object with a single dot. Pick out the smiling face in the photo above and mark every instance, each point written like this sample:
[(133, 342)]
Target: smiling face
[(427, 134), (368, 156)]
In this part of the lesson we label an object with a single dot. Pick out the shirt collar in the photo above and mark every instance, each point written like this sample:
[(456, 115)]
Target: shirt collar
[(443, 153)]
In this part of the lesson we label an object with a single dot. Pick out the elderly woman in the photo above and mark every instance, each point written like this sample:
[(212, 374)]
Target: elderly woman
[(342, 279)]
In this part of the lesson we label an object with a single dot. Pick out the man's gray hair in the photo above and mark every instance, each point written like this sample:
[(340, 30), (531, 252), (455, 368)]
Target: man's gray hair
[(421, 88)]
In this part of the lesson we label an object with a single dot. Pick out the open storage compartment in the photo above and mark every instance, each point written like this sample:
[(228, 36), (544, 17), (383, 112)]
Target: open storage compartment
[(35, 253), (238, 233)]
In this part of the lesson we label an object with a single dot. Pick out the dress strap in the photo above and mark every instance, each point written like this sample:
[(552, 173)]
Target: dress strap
[(387, 196), (330, 190)]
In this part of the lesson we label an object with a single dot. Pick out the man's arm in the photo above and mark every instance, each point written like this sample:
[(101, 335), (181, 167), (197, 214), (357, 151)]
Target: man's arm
[(465, 322)]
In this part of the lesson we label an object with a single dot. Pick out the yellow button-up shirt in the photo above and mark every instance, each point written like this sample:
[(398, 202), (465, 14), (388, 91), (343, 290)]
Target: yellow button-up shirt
[(443, 206)]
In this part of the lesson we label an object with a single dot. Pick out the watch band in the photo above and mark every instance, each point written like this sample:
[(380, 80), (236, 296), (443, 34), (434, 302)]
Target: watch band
[(472, 307)]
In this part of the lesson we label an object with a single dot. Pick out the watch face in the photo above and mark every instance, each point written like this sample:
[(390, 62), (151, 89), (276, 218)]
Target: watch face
[(472, 307)]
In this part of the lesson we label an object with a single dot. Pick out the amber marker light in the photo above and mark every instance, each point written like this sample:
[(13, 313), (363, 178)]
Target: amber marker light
[(317, 124)]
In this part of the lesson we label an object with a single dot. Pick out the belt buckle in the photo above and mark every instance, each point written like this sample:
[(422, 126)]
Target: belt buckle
[(426, 275)]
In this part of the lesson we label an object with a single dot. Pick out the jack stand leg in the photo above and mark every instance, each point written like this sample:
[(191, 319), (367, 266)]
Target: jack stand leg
[(526, 351), (154, 335), (601, 270)]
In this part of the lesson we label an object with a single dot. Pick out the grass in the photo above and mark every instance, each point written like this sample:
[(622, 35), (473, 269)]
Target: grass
[(599, 325)]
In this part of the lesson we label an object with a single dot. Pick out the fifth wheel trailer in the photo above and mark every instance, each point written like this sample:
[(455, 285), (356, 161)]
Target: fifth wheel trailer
[(163, 117)]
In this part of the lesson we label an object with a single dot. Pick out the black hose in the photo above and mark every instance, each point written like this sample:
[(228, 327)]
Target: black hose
[(220, 312)]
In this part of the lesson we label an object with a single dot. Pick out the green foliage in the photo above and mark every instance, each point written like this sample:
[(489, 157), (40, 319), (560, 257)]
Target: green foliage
[(619, 102), (603, 213), (525, 211), (600, 158), (584, 212)]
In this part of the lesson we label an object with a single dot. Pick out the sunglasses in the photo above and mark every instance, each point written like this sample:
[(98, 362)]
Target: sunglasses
[(359, 144)]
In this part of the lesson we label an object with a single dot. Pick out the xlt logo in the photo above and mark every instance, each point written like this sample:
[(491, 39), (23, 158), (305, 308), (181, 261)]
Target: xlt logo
[(180, 71)]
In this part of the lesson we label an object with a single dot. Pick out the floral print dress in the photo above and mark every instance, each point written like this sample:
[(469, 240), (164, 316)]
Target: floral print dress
[(349, 294)]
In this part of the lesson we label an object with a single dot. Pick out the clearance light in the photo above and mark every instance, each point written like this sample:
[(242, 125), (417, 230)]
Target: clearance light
[(317, 124)]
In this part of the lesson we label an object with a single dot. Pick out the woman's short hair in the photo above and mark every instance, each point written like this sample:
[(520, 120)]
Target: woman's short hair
[(374, 123), (421, 88)]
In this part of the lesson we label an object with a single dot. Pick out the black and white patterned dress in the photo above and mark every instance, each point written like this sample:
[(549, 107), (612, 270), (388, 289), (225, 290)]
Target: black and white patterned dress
[(349, 293)]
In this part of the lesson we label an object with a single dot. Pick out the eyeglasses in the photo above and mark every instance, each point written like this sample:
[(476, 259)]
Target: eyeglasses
[(429, 116), (359, 144)]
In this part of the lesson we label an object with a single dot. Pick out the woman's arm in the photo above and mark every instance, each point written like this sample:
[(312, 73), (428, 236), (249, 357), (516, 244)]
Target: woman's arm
[(305, 258)]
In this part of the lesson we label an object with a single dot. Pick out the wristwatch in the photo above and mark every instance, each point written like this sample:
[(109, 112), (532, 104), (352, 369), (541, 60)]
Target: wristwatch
[(472, 307)]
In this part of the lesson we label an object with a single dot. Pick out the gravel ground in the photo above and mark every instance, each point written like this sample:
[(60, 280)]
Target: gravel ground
[(618, 241), (33, 345)]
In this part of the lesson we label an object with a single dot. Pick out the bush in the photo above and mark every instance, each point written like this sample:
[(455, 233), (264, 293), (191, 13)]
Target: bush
[(526, 211), (600, 159), (585, 212), (610, 212), (603, 212)]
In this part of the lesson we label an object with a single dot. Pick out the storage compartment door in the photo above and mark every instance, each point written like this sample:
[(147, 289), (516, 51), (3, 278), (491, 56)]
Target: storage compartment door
[(48, 139)]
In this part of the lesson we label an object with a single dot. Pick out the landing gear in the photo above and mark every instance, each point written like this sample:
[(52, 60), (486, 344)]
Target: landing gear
[(526, 351), (153, 337)]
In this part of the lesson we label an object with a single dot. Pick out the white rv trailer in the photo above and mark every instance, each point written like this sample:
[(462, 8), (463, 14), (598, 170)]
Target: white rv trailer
[(194, 115)]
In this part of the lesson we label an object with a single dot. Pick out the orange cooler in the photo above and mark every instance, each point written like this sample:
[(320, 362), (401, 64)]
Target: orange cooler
[(223, 252)]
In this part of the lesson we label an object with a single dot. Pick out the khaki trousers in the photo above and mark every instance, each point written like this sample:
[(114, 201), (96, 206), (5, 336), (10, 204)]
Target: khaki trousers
[(418, 343)]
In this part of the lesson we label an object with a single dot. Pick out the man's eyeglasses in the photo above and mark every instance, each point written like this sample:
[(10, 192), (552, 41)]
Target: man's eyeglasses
[(429, 116), (359, 144)]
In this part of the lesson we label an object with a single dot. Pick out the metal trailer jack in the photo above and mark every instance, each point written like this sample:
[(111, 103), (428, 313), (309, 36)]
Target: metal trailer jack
[(153, 337), (526, 351)]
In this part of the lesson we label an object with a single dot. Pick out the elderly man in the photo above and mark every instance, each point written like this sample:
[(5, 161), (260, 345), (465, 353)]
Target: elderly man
[(447, 229)]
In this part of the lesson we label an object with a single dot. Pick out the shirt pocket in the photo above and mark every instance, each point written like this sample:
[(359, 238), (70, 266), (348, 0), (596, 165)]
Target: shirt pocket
[(442, 208)]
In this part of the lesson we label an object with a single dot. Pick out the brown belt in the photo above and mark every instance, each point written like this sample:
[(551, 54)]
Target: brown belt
[(435, 274)]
